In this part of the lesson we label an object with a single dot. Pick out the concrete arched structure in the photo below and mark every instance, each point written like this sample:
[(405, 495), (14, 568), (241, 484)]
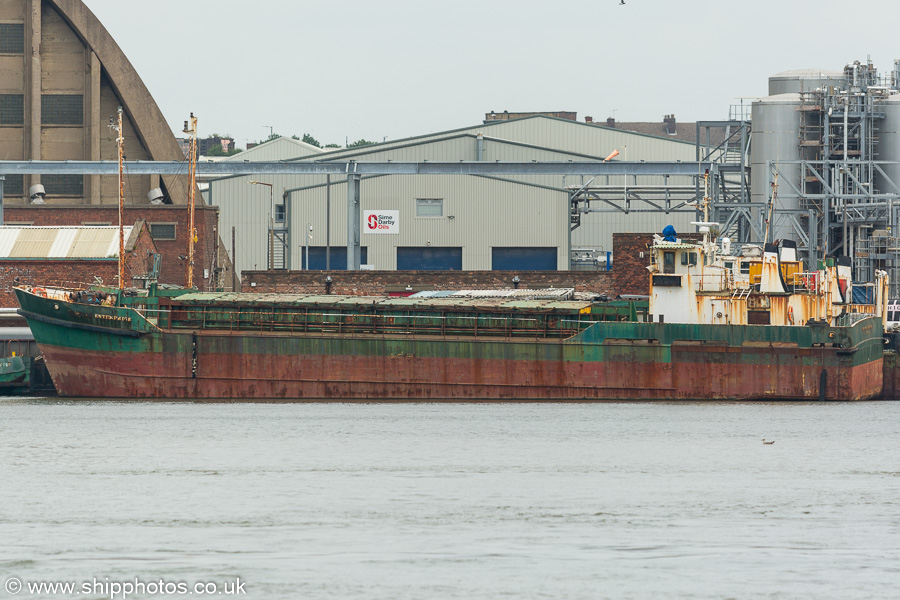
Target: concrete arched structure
[(69, 76)]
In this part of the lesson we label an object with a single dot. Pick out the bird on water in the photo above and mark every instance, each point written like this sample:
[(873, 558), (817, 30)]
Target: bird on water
[(769, 442)]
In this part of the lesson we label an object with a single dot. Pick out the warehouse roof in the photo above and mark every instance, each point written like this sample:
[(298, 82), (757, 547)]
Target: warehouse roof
[(281, 148), (62, 242)]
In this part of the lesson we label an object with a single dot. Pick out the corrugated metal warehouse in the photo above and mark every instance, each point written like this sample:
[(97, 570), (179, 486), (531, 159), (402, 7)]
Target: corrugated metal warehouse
[(448, 222)]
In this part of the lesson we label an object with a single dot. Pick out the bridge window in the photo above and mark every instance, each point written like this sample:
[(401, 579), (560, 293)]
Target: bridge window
[(689, 259), (668, 262)]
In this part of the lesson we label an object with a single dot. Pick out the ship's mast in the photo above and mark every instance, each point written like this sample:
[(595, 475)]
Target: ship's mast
[(120, 144), (191, 129), (771, 207), (705, 228), (706, 197)]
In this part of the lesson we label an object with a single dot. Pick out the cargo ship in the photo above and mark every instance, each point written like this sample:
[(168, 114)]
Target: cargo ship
[(714, 327)]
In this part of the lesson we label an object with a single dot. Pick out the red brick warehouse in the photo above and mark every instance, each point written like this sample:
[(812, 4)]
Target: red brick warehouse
[(167, 224), (63, 257)]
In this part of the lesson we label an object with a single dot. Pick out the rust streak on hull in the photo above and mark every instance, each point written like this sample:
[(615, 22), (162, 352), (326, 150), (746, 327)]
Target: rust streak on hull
[(264, 376)]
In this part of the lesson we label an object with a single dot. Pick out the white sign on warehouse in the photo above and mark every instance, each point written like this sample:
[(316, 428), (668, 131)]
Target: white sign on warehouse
[(381, 221)]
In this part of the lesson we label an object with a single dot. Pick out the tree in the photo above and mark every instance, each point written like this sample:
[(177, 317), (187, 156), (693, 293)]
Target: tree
[(332, 145), (217, 151), (360, 142), (274, 136), (311, 140)]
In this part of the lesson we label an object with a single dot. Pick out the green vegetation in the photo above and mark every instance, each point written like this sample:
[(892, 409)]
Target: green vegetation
[(308, 139), (217, 151)]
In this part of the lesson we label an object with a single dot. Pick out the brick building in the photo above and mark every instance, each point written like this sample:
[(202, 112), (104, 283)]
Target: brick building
[(71, 257), (167, 225)]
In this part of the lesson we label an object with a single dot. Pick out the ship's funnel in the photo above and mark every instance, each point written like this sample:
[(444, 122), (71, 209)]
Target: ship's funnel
[(788, 250), (771, 281), (845, 278)]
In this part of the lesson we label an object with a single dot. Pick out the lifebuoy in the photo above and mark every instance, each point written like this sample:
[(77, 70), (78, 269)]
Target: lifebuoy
[(791, 315), (40, 292)]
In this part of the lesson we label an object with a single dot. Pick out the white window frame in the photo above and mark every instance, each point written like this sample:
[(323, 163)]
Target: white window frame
[(429, 202)]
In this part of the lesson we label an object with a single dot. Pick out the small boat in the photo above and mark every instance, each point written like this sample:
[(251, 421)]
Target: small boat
[(14, 373)]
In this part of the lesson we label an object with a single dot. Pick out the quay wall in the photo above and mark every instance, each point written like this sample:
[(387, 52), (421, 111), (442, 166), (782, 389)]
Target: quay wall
[(891, 376), (629, 275)]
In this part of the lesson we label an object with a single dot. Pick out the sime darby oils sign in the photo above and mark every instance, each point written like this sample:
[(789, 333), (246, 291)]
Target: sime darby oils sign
[(381, 221)]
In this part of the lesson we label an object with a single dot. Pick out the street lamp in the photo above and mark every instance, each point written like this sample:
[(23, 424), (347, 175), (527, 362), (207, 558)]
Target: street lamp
[(271, 221)]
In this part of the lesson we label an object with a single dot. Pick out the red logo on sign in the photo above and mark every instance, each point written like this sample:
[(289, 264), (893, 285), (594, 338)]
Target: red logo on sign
[(373, 221)]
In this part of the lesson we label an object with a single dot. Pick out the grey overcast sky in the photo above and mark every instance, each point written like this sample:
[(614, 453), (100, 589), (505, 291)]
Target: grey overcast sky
[(350, 69)]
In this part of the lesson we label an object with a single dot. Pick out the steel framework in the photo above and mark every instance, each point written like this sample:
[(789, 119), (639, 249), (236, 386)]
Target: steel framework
[(681, 198)]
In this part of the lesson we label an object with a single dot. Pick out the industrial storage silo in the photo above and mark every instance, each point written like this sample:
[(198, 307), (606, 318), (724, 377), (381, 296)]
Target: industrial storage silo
[(804, 80), (889, 145), (776, 138)]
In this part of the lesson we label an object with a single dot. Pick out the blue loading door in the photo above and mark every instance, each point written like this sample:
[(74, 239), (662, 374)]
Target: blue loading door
[(338, 257), (523, 259), (429, 258)]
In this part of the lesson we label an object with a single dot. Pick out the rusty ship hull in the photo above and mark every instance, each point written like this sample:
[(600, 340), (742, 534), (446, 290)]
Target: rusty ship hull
[(203, 346)]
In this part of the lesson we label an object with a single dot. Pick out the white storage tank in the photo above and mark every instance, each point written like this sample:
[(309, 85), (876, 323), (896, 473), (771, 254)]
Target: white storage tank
[(889, 145), (805, 80), (776, 133)]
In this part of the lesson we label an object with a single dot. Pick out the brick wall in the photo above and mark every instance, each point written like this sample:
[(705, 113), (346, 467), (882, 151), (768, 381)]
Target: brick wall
[(629, 275), (172, 269), (631, 257), (75, 273), (382, 283)]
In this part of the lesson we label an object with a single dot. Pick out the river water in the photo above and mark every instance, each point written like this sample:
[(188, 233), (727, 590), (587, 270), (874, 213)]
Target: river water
[(404, 501)]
